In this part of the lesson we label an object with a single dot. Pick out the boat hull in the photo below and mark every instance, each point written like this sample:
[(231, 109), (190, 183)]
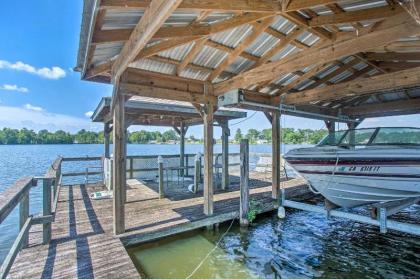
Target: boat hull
[(351, 180)]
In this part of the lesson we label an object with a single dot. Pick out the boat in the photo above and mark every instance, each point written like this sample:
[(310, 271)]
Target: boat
[(358, 167)]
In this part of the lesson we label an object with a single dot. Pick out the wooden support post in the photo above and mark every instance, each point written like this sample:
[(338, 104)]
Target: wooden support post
[(119, 170), (161, 180), (244, 183), (186, 165), (197, 172), (225, 155), (57, 179), (106, 140), (275, 134), (330, 126), (182, 148), (23, 215), (131, 168), (46, 209), (208, 159), (352, 141)]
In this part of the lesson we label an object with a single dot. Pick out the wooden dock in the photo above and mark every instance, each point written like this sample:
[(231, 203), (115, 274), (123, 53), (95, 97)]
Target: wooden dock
[(83, 244)]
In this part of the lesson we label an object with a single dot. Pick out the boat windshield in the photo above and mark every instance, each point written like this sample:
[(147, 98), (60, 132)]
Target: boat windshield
[(373, 136)]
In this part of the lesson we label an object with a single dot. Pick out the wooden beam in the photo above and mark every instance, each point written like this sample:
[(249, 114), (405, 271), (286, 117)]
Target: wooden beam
[(191, 54), (228, 49), (363, 86), (390, 30), (244, 183), (267, 6), (384, 108), (393, 56), (298, 19), (215, 28), (279, 46), (302, 78), (151, 21), (119, 167), (208, 159), (225, 155), (295, 5), (148, 84), (355, 16), (257, 29), (275, 164)]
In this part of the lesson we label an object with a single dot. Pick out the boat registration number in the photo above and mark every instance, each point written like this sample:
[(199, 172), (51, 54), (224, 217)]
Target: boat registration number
[(362, 168)]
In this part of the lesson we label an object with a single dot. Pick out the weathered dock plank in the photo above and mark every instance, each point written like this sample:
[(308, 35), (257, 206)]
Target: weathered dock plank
[(83, 244)]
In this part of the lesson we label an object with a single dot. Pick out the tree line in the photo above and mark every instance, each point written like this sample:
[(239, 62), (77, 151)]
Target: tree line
[(288, 136), (26, 136)]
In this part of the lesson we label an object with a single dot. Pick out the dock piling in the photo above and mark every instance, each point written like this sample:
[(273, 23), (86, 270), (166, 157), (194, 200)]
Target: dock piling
[(161, 181), (244, 183)]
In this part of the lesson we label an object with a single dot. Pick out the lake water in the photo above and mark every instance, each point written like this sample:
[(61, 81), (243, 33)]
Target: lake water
[(33, 160), (304, 245)]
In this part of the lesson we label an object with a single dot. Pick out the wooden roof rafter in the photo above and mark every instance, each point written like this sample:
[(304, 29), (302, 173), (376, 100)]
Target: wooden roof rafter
[(184, 45)]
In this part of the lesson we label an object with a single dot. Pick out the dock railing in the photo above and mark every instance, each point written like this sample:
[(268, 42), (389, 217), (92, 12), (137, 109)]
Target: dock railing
[(18, 194)]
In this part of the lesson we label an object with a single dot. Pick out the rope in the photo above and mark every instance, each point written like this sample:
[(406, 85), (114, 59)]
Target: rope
[(212, 250), (252, 115), (410, 7)]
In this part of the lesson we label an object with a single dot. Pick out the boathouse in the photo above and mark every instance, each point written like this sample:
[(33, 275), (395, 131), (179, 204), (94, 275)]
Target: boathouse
[(338, 61)]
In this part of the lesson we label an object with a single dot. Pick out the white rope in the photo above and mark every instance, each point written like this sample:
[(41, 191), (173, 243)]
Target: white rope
[(212, 250), (410, 7)]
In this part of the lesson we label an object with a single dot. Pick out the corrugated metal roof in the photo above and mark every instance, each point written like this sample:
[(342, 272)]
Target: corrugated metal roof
[(211, 58)]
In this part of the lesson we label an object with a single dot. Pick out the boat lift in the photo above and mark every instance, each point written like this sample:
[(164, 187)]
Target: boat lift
[(379, 215), (380, 211)]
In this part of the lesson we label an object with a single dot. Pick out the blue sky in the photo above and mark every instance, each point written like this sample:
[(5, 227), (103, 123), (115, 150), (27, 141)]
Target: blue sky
[(38, 88)]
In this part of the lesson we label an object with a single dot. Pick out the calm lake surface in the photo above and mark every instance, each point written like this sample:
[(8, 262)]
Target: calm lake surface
[(33, 160), (304, 245)]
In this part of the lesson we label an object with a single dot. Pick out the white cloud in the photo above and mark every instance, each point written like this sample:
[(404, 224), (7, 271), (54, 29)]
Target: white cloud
[(14, 87), (89, 113), (50, 73), (34, 108), (21, 117)]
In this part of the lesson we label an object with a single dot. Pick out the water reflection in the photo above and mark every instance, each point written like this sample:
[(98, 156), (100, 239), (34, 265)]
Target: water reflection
[(304, 245)]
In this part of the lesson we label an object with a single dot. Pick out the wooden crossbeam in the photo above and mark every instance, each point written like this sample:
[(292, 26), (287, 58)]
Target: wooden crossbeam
[(228, 49), (363, 86), (278, 47), (298, 19), (390, 30), (303, 77), (217, 27), (355, 16), (267, 6), (404, 106), (257, 29), (152, 20), (392, 56), (191, 54), (148, 84)]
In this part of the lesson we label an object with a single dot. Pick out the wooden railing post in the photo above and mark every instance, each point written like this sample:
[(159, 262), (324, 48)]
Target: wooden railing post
[(161, 180), (131, 168), (46, 209), (197, 172), (244, 183), (23, 216)]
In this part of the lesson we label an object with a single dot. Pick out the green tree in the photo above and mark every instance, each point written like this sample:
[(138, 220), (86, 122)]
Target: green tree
[(238, 135)]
